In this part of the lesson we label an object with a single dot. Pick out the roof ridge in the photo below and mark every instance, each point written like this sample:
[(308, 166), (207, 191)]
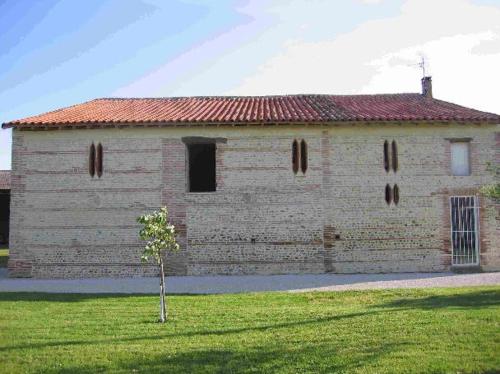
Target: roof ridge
[(250, 96)]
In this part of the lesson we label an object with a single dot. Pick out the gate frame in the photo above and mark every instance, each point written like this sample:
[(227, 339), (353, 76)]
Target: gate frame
[(477, 229)]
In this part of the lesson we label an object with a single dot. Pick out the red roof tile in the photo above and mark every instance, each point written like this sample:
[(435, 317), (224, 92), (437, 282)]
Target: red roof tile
[(259, 109), (4, 179)]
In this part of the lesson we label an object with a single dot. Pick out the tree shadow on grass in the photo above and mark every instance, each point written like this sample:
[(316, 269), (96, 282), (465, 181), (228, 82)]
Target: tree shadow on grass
[(64, 297), (76, 297), (467, 300), (314, 358), (217, 332)]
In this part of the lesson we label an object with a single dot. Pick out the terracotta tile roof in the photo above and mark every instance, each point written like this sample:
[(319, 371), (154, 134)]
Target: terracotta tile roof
[(259, 109), (4, 179)]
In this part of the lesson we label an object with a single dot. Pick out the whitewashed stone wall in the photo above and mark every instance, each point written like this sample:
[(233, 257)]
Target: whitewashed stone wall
[(262, 219)]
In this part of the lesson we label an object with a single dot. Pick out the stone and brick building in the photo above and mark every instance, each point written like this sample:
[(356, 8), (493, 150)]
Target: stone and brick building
[(256, 185)]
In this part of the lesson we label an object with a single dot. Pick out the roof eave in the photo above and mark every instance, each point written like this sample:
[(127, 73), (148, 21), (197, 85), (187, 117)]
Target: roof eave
[(121, 124)]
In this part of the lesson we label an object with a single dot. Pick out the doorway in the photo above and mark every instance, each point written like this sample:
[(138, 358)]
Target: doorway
[(464, 220)]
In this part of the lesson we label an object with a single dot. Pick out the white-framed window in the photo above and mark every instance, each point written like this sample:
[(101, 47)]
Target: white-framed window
[(460, 158)]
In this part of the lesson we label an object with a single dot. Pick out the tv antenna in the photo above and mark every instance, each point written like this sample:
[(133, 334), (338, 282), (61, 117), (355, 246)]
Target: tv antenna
[(422, 64)]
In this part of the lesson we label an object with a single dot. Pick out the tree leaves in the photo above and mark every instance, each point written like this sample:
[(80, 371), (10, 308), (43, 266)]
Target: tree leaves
[(158, 233), (492, 190)]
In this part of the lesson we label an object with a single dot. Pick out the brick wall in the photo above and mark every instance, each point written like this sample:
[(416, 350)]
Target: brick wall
[(490, 222), (263, 218)]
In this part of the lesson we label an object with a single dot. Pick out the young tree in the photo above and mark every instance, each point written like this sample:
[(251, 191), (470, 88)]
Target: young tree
[(159, 235)]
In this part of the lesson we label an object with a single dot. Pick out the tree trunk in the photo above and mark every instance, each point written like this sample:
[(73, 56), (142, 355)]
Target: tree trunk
[(163, 305)]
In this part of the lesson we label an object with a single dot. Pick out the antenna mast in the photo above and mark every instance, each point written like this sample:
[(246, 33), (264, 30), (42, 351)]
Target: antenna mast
[(421, 64)]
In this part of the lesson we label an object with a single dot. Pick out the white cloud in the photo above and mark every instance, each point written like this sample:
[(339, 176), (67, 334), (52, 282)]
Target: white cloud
[(218, 65), (293, 46), (459, 39), (371, 1), (460, 73)]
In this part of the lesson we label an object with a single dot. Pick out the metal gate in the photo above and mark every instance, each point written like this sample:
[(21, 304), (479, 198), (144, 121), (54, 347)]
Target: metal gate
[(464, 212)]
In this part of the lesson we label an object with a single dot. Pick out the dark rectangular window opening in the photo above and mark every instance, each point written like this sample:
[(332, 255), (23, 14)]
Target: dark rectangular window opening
[(201, 167)]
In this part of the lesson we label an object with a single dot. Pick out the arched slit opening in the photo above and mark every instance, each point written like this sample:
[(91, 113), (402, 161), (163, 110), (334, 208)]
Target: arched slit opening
[(396, 194), (394, 156), (295, 156), (388, 194), (99, 161), (92, 160), (303, 156), (386, 156)]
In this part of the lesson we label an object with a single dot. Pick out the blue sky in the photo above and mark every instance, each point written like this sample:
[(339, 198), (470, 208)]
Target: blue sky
[(55, 53)]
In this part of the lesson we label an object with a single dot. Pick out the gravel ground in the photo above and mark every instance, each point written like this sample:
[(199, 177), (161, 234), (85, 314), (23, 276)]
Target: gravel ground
[(251, 283)]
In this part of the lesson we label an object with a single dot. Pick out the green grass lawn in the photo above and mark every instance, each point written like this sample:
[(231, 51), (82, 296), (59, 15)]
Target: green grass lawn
[(430, 330)]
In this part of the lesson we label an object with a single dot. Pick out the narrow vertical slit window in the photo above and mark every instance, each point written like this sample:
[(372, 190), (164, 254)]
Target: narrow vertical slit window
[(295, 156), (92, 160), (99, 160), (388, 194), (394, 156), (303, 156), (386, 156), (395, 193)]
